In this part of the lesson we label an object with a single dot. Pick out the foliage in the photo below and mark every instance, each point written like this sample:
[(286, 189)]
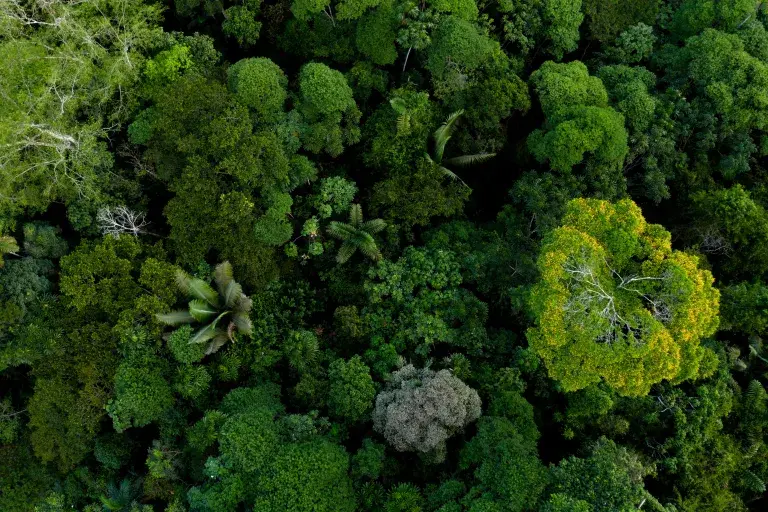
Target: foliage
[(616, 303), (227, 304), (421, 409)]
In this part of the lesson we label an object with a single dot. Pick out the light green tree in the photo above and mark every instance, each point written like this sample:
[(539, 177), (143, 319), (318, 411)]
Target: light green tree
[(616, 303)]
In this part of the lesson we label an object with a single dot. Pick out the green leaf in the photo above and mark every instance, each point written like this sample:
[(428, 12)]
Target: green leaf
[(341, 231), (202, 290), (232, 293), (346, 251), (204, 333), (449, 173), (218, 341), (242, 323), (443, 134), (182, 281), (467, 160), (374, 226), (175, 317), (356, 215), (201, 310), (222, 274)]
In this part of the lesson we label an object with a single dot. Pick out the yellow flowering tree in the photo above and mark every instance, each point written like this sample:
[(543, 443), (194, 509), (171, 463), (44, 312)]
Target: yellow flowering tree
[(615, 302)]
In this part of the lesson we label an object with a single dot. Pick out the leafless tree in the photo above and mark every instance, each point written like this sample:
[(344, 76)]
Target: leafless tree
[(120, 220)]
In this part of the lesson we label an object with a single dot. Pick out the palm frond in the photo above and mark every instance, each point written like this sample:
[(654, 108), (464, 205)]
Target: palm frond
[(216, 343), (182, 281), (175, 318), (449, 173), (202, 290), (208, 332), (340, 230), (369, 249), (346, 251), (231, 293), (373, 226), (356, 215), (243, 323), (443, 134), (243, 304), (222, 274), (201, 310), (467, 160)]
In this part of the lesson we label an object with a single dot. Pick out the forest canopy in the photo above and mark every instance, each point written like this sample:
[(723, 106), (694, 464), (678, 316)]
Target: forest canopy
[(383, 255)]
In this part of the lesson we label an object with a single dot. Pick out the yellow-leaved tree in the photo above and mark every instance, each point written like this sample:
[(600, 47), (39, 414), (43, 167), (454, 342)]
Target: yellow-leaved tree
[(616, 303)]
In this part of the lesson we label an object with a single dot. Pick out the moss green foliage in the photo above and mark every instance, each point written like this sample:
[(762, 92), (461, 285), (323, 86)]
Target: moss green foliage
[(383, 255)]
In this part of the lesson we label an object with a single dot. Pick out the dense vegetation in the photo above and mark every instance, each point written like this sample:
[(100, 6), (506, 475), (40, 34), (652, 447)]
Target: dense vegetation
[(383, 255)]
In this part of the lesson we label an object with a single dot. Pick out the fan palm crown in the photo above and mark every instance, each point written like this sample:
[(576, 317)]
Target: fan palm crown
[(224, 311)]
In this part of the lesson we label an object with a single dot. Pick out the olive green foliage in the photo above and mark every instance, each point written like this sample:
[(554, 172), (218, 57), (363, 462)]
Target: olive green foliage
[(579, 122), (330, 111)]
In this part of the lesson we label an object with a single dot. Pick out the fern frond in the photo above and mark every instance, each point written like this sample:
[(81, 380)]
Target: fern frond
[(346, 251), (204, 291), (450, 174), (232, 293), (373, 226), (356, 215), (398, 105), (467, 160), (175, 318), (222, 274), (340, 231), (201, 310)]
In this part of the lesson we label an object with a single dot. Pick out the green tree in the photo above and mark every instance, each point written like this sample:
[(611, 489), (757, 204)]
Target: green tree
[(260, 84), (578, 120), (616, 303), (329, 110), (351, 391)]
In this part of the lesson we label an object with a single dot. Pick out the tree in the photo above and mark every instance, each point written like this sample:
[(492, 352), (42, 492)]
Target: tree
[(72, 68), (616, 303), (229, 306), (420, 409), (578, 120), (240, 22), (259, 84), (328, 108), (356, 235), (351, 389), (610, 479)]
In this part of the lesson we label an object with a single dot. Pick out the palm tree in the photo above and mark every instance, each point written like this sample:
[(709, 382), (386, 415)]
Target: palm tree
[(442, 135), (121, 497), (8, 245), (356, 235), (229, 307)]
